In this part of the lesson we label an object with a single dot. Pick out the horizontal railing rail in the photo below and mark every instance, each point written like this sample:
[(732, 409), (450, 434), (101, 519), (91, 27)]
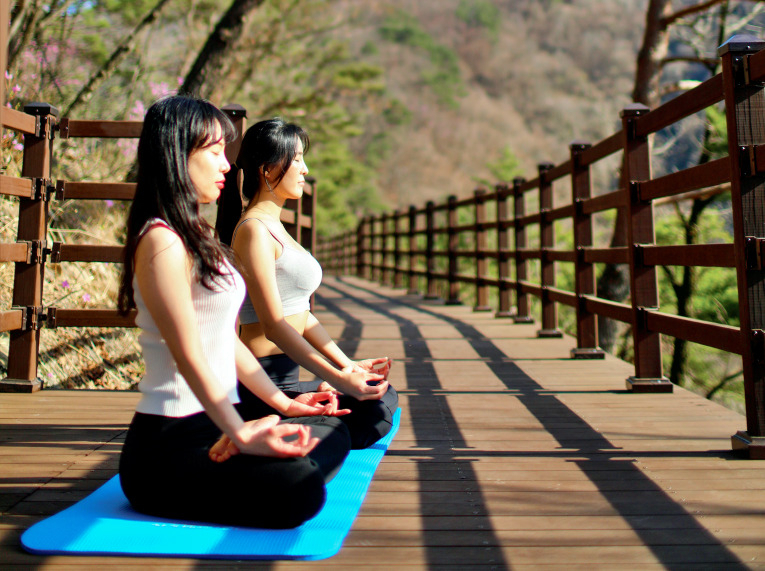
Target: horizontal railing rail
[(497, 240), (36, 190)]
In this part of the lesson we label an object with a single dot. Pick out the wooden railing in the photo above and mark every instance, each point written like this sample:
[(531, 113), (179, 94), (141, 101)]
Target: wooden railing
[(437, 248), (36, 189)]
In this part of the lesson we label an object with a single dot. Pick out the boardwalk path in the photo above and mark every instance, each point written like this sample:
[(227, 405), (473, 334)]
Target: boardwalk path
[(510, 456)]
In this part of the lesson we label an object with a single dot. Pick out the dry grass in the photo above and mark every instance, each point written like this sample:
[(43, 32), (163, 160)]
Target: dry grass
[(88, 357)]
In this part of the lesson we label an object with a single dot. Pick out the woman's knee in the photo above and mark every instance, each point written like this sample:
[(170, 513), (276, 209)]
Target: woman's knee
[(334, 442)]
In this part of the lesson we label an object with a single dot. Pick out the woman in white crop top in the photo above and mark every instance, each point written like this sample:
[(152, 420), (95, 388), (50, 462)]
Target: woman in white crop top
[(276, 323), (193, 451)]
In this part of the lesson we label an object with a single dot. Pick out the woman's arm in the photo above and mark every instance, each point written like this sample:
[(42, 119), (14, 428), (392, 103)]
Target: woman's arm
[(317, 336), (252, 375), (257, 252), (163, 274)]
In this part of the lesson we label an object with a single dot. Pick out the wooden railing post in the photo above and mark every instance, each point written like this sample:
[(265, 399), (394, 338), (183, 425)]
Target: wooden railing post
[(238, 116), (374, 247), (503, 244), (586, 322), (307, 216), (522, 314), (23, 349), (644, 290), (547, 242), (398, 274), (431, 290), (360, 253), (744, 108), (452, 247), (369, 247), (385, 276), (349, 253), (481, 264), (411, 277)]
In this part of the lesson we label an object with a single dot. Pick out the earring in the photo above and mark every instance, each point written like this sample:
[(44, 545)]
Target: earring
[(271, 190)]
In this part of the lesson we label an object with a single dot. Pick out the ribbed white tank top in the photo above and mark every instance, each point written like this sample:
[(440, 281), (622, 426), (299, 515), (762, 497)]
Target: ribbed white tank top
[(164, 390)]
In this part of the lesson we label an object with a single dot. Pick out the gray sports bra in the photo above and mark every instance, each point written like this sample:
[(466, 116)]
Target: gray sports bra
[(298, 275)]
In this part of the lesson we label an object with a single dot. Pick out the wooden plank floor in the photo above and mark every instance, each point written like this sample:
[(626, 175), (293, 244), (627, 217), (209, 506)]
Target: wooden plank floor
[(510, 456)]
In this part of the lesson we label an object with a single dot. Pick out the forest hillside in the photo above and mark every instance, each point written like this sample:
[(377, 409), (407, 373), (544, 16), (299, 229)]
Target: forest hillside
[(468, 84)]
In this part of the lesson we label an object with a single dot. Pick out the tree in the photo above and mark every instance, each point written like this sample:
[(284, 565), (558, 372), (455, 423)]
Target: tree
[(205, 72)]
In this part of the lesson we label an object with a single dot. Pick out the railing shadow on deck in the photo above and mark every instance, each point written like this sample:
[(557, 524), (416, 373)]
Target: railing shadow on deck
[(446, 245), (599, 454)]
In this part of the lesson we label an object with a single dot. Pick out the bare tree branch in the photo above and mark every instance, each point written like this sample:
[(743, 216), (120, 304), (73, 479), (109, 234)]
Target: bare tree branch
[(110, 65), (724, 381), (652, 51), (672, 18), (25, 24), (200, 80), (26, 20), (687, 59)]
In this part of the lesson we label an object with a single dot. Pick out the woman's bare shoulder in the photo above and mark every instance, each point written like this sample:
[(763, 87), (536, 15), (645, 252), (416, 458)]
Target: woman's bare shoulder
[(160, 241)]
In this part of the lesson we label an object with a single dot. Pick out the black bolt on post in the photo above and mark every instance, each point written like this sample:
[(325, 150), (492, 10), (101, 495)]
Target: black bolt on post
[(744, 108), (586, 322), (547, 242), (644, 288)]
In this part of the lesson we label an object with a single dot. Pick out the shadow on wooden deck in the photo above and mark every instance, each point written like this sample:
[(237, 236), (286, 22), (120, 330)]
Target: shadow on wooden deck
[(510, 455)]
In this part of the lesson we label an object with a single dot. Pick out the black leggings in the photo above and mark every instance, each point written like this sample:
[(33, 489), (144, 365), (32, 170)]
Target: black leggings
[(165, 471), (369, 420)]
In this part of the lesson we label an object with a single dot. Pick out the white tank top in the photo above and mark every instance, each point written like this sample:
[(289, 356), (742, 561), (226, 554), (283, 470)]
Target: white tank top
[(298, 276), (164, 390)]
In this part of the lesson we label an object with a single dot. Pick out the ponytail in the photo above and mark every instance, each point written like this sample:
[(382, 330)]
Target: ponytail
[(230, 205)]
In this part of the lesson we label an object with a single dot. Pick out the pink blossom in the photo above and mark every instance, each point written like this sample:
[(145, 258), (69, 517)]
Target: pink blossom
[(160, 89), (109, 203), (8, 75), (138, 110), (65, 284), (86, 297), (18, 146)]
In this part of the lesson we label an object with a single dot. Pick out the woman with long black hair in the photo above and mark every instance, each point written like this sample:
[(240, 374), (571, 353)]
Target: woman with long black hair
[(193, 451), (276, 323)]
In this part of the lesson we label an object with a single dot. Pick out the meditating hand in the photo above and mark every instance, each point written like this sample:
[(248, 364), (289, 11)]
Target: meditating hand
[(310, 404), (379, 365), (266, 437)]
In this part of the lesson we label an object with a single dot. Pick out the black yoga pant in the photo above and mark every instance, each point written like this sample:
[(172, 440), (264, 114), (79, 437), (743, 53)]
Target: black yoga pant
[(368, 421), (165, 471)]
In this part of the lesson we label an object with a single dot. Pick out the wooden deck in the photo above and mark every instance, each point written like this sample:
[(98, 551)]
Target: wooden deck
[(510, 456)]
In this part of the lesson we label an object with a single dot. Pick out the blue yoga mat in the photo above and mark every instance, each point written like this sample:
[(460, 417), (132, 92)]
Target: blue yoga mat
[(105, 524)]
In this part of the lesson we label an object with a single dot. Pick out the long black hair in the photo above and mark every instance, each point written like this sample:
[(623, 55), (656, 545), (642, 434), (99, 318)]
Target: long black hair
[(173, 128), (269, 145)]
